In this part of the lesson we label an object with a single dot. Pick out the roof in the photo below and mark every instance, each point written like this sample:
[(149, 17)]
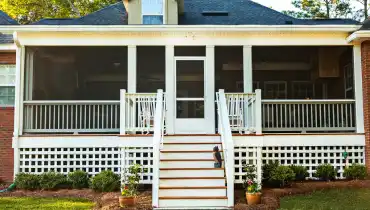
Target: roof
[(365, 25), (114, 14), (6, 20), (6, 39), (220, 12)]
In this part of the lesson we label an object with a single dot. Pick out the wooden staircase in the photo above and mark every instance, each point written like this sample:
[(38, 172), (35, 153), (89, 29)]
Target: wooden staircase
[(187, 177)]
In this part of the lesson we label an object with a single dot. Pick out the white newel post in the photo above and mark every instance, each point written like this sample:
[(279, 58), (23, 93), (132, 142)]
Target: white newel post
[(247, 69), (170, 89), (258, 112), (357, 69), (122, 114), (209, 94)]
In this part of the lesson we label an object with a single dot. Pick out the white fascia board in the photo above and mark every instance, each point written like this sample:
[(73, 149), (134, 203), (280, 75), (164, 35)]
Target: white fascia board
[(174, 28), (365, 34)]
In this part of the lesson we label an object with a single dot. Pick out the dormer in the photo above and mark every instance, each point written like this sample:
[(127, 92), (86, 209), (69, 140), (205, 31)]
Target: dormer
[(153, 12)]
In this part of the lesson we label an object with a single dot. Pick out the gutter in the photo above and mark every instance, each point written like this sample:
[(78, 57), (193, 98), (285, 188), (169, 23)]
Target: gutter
[(180, 28), (358, 35)]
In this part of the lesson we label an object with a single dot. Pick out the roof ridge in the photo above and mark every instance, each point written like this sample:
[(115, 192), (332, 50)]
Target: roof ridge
[(104, 8)]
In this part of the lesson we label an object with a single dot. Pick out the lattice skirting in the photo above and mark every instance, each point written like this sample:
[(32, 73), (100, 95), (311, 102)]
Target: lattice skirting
[(91, 160), (96, 159), (308, 156)]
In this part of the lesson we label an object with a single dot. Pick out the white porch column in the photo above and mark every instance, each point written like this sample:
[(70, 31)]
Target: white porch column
[(170, 89), (209, 93), (247, 69), (131, 69), (357, 69)]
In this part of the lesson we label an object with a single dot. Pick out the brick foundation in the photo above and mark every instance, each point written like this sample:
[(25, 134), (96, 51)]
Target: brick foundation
[(6, 150), (365, 59)]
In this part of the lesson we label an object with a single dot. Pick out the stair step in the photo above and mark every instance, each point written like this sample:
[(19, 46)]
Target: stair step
[(192, 202), (187, 160), (185, 169), (190, 147), (169, 139), (186, 187), (192, 181), (192, 192), (187, 151), (191, 197), (191, 172), (187, 164), (177, 143), (189, 156)]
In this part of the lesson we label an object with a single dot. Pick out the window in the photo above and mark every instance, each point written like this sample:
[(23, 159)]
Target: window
[(153, 12), (303, 90), (275, 90), (7, 85)]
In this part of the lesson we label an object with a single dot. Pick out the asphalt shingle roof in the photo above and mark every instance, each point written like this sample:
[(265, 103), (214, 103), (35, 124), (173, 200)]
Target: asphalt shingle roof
[(6, 20), (365, 25), (239, 12), (6, 39)]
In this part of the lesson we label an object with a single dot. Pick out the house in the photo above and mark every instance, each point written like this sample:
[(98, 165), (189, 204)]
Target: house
[(137, 82), (7, 87)]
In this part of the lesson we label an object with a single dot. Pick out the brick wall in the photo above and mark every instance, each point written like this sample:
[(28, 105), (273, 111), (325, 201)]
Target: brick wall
[(365, 59), (6, 130), (6, 151)]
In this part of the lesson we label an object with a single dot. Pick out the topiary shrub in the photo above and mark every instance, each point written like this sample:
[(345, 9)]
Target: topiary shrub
[(27, 181), (78, 179), (105, 181), (300, 172), (52, 180), (282, 175), (355, 171), (326, 172)]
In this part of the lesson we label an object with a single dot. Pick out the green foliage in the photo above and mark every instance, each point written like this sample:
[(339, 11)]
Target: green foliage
[(300, 172), (326, 172), (27, 181), (250, 183), (283, 175), (316, 9), (52, 180), (27, 11), (355, 171), (131, 180), (267, 169), (78, 179), (37, 203), (105, 181)]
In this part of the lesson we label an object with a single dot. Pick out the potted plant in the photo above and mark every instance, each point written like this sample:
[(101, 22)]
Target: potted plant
[(130, 186), (252, 187)]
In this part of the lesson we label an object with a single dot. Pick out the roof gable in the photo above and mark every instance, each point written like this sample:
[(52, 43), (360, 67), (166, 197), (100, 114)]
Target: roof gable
[(6, 20)]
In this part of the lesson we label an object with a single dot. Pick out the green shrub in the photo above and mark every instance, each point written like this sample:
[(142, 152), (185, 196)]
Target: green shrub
[(52, 180), (282, 175), (78, 179), (355, 171), (300, 172), (326, 172), (267, 169), (105, 181), (27, 181)]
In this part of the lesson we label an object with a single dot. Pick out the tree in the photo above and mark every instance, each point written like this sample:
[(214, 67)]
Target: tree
[(321, 9), (27, 11), (363, 13)]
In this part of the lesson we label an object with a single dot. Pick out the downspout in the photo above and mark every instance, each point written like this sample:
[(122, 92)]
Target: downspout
[(15, 141)]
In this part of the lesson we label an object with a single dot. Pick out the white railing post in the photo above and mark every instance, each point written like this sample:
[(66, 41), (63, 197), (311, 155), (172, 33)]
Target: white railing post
[(259, 165), (157, 139), (258, 112), (122, 114)]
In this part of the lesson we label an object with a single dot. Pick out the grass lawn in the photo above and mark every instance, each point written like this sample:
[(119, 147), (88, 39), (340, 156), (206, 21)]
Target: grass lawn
[(356, 199), (30, 203)]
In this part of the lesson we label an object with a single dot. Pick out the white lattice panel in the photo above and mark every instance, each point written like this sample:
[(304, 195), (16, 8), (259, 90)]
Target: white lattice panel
[(91, 160), (313, 156), (242, 156)]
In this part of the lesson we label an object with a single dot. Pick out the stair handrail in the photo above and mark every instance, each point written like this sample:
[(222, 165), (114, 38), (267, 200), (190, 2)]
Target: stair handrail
[(227, 144), (157, 142)]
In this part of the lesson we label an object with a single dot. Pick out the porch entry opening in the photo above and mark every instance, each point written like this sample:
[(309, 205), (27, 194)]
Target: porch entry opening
[(190, 95)]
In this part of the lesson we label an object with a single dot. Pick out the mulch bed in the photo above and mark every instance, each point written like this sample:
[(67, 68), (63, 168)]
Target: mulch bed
[(270, 197)]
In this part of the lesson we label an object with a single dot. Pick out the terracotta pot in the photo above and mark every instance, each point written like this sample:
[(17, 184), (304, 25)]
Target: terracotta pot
[(127, 201), (253, 198)]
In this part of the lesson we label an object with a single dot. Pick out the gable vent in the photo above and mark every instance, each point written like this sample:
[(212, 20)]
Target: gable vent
[(215, 13)]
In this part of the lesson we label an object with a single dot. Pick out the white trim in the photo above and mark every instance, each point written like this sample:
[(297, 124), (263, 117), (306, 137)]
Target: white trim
[(357, 69), (8, 47), (171, 28), (247, 69), (358, 35), (131, 69), (190, 58), (170, 85), (209, 95)]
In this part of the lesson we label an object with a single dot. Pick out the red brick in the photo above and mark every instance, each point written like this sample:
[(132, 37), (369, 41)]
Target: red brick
[(6, 150), (365, 60)]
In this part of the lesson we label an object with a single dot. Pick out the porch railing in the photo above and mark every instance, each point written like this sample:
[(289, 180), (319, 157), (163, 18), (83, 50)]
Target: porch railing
[(244, 111), (308, 115), (227, 144), (71, 116)]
